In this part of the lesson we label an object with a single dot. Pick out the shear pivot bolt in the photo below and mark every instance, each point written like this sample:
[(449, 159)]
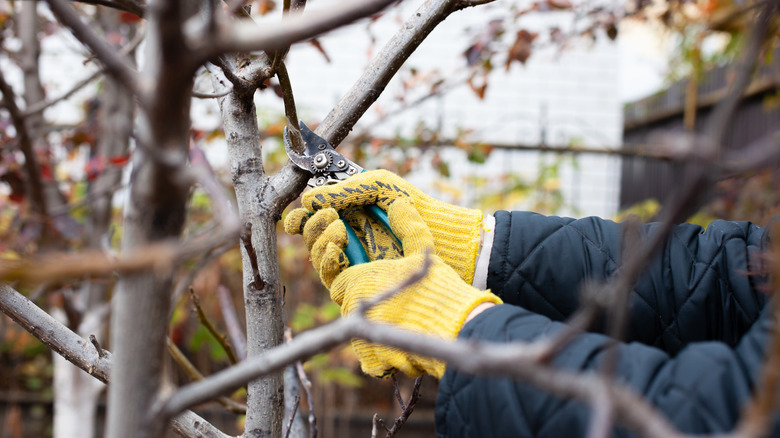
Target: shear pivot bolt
[(321, 161)]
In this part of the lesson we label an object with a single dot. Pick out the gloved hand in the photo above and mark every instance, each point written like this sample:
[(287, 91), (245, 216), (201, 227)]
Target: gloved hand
[(456, 230), (326, 238), (437, 305)]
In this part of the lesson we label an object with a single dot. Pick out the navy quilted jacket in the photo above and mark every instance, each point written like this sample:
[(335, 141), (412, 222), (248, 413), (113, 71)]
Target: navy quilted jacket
[(697, 329)]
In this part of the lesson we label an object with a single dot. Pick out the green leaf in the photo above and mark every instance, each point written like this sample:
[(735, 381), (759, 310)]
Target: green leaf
[(341, 376), (202, 338), (329, 311), (304, 317)]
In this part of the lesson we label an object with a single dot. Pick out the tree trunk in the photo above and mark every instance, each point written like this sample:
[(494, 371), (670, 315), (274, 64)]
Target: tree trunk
[(263, 302), (155, 211)]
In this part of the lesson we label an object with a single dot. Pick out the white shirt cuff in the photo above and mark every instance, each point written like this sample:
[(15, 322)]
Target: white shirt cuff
[(483, 258)]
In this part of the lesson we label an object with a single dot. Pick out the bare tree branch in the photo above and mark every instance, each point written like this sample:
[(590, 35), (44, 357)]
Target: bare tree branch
[(31, 167), (155, 256), (406, 407), (247, 37), (134, 7), (115, 64), (221, 339), (290, 180), (237, 337), (79, 352), (194, 374), (474, 357), (306, 383), (42, 105), (289, 428)]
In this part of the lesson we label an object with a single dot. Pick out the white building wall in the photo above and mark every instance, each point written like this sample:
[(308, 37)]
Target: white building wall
[(571, 94)]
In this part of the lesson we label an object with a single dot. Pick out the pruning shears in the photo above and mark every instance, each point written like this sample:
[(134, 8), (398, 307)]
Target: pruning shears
[(330, 167)]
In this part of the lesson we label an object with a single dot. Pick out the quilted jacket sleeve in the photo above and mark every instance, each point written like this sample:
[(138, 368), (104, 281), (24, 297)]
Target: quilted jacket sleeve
[(697, 288), (700, 390)]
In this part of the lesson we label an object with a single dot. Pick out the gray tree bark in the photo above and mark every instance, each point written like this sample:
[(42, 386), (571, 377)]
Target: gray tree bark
[(155, 211), (262, 294)]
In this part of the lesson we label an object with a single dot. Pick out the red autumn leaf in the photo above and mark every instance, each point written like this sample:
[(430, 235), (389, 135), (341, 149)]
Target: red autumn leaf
[(317, 45), (559, 4), (119, 160), (197, 134), (521, 49), (47, 174), (479, 90), (129, 18)]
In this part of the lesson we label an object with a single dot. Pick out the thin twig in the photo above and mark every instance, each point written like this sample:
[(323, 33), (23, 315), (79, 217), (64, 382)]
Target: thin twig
[(397, 392), (135, 8), (407, 407), (228, 71), (189, 368), (601, 419), (115, 64), (288, 97), (374, 425), (31, 167), (221, 339), (309, 398), (229, 315), (756, 420), (246, 240), (42, 105), (236, 7), (686, 200), (216, 95), (186, 281), (306, 383), (93, 339), (296, 403), (718, 122)]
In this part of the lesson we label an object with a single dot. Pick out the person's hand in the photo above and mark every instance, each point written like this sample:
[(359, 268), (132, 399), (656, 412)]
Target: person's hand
[(437, 305), (326, 238), (456, 230)]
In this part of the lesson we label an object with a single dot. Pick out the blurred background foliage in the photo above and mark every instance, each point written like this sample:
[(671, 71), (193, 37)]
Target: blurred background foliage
[(340, 387)]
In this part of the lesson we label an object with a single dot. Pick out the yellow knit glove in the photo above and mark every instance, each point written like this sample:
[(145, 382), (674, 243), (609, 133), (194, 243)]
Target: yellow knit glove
[(456, 230), (436, 306), (326, 238)]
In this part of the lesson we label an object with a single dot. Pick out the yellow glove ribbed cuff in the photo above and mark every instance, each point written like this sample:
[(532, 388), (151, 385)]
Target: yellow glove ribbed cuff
[(456, 232)]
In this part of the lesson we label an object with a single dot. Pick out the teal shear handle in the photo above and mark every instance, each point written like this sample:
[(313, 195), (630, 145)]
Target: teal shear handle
[(355, 252)]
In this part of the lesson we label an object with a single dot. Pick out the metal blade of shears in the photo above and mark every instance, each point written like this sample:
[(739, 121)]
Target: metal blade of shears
[(329, 167)]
